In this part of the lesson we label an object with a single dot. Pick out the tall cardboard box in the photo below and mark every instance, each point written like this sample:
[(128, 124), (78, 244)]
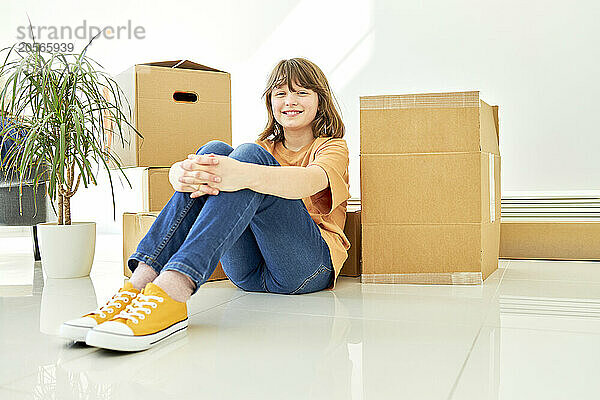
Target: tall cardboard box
[(177, 107), (430, 188), (135, 227)]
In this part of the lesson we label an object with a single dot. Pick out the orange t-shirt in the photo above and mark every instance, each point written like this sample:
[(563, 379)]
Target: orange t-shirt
[(328, 207)]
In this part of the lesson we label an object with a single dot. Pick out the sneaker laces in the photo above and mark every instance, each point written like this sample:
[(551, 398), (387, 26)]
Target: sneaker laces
[(113, 302), (137, 309)]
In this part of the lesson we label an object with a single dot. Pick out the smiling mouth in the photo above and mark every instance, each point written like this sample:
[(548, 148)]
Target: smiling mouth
[(291, 113)]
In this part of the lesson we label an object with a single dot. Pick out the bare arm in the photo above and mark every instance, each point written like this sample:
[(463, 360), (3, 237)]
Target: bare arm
[(286, 182)]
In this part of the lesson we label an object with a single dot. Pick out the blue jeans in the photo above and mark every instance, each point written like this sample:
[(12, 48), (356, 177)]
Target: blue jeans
[(265, 243)]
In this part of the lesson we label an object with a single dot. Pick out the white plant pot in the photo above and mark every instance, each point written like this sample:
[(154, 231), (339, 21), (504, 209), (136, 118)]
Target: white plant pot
[(67, 251)]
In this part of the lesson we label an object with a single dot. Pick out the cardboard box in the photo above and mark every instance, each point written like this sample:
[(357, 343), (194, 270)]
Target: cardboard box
[(177, 106), (156, 188), (352, 230), (135, 227), (434, 216), (550, 240), (150, 186)]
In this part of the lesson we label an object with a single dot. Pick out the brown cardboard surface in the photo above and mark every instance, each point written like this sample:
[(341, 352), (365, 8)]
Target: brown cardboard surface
[(159, 83), (488, 125), (432, 254), (352, 230), (437, 135), (135, 227), (550, 240), (157, 189), (427, 123), (497, 123), (421, 248), (182, 64), (434, 215), (490, 248), (428, 188), (172, 129), (436, 188)]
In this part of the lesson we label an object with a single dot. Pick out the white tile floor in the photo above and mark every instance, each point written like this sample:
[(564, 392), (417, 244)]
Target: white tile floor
[(532, 331)]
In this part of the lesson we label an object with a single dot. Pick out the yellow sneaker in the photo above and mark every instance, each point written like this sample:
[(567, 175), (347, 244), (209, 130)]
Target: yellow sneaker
[(152, 317), (77, 329)]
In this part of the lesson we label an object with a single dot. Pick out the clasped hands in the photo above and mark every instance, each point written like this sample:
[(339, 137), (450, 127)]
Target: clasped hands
[(203, 174)]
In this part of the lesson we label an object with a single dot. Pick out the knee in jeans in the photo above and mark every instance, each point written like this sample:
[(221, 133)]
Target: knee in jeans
[(252, 152), (216, 147)]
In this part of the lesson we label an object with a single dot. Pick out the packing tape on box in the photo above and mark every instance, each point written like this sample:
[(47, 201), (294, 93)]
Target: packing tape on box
[(432, 100), (441, 278), (139, 217), (492, 190), (138, 222)]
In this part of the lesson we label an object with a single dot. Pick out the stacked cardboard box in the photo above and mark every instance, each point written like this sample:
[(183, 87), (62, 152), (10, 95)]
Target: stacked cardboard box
[(177, 107), (430, 188)]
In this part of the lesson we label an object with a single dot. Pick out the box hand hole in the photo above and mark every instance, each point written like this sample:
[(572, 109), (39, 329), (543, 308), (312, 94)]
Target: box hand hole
[(185, 97)]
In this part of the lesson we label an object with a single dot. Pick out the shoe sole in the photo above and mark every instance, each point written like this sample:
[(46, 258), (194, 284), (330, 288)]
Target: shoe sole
[(74, 332), (120, 342)]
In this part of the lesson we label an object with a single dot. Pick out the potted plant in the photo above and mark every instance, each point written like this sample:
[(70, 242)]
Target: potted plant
[(61, 105)]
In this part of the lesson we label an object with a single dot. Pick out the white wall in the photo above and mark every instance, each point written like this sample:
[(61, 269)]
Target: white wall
[(538, 60)]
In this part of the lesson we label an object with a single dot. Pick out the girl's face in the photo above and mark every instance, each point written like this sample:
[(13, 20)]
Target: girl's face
[(294, 110)]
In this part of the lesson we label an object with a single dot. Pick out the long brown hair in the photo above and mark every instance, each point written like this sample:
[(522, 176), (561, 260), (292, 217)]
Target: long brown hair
[(304, 73)]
